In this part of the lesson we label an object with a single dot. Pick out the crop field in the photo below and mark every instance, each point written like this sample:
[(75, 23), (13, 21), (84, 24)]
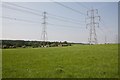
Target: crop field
[(76, 61)]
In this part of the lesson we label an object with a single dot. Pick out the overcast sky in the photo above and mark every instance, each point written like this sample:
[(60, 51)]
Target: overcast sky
[(63, 30)]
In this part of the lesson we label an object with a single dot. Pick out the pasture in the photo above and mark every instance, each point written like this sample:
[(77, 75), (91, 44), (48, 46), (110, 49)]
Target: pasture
[(76, 61)]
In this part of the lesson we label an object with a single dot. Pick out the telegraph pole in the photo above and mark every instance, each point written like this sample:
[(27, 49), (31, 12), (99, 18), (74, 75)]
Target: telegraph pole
[(92, 17), (44, 32)]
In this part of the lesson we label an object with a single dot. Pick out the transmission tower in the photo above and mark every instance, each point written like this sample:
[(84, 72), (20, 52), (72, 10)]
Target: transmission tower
[(105, 39), (93, 22), (116, 41), (44, 27)]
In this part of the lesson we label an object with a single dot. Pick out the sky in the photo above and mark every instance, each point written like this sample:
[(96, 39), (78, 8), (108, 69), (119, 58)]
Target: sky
[(66, 29)]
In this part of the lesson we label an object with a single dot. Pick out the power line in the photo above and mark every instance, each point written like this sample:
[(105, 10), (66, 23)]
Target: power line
[(105, 36), (29, 21), (21, 10), (80, 4), (64, 20), (18, 19), (103, 23), (37, 14), (53, 15), (38, 11), (23, 7), (69, 8), (64, 25), (41, 15)]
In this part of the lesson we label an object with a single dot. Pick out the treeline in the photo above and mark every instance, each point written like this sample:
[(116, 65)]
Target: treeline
[(33, 44)]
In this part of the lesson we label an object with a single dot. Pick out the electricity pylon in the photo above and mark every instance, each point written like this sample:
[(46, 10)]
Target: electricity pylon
[(92, 18)]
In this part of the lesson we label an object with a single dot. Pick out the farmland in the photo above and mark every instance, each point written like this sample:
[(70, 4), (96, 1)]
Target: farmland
[(76, 61)]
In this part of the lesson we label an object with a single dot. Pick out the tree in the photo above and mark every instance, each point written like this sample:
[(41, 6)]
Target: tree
[(65, 42)]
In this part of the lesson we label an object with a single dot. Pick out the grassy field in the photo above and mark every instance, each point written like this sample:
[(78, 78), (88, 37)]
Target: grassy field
[(77, 61), (0, 63)]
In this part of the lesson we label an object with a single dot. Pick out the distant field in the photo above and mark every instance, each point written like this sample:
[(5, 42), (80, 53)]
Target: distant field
[(77, 61)]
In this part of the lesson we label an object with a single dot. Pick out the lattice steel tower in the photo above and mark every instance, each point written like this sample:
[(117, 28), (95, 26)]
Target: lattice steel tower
[(93, 22), (44, 27)]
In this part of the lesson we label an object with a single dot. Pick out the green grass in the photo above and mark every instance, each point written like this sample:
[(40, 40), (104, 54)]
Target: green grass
[(0, 63), (77, 61)]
